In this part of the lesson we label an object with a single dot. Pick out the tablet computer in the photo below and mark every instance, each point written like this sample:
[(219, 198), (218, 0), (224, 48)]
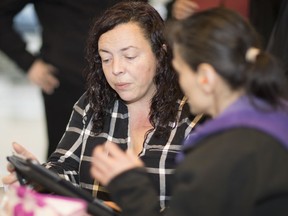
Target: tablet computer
[(30, 172)]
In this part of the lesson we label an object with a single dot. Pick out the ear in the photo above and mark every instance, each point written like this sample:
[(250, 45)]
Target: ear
[(206, 77)]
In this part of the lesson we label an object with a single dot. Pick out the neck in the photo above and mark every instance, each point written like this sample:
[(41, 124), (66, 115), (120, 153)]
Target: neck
[(139, 112), (224, 100)]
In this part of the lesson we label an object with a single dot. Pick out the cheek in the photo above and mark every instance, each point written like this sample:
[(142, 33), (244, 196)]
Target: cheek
[(144, 72), (108, 75), (186, 84), (189, 88)]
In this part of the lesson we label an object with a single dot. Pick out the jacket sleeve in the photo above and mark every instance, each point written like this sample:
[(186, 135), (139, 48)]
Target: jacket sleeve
[(134, 193), (66, 158), (11, 42)]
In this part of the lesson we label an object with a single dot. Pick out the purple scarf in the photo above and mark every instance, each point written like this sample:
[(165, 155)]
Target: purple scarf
[(243, 114)]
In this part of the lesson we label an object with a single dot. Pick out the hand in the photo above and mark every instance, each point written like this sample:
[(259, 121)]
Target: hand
[(42, 74), (184, 8), (20, 150), (109, 161)]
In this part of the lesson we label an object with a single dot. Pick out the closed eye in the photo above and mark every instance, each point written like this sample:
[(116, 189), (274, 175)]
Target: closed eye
[(130, 57), (105, 61)]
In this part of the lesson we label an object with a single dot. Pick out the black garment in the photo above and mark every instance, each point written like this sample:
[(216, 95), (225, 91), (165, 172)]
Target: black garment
[(65, 25), (240, 171), (278, 43), (169, 6), (58, 108), (263, 15)]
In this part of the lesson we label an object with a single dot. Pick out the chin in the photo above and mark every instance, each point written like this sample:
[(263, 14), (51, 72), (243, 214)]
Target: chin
[(128, 100), (194, 110)]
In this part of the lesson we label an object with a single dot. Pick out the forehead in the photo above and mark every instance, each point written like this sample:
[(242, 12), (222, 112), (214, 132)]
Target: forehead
[(126, 34)]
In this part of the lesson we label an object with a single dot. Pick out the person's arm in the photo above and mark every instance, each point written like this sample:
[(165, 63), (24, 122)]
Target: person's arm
[(65, 160), (11, 42), (67, 156), (134, 193), (278, 41), (263, 17), (182, 9), (126, 180)]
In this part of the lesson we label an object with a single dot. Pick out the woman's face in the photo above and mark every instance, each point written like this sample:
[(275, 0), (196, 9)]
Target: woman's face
[(187, 81), (128, 62)]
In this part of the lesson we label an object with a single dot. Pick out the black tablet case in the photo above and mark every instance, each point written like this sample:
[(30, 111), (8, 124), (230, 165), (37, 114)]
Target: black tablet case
[(30, 171)]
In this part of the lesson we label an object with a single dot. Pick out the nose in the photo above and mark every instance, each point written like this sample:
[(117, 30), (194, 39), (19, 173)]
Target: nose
[(117, 66)]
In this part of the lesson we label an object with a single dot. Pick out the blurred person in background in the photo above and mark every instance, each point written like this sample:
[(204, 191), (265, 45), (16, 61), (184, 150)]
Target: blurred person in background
[(262, 14), (278, 41), (181, 9), (57, 68)]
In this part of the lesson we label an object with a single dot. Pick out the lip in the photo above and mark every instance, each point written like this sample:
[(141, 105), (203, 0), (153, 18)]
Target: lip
[(121, 86)]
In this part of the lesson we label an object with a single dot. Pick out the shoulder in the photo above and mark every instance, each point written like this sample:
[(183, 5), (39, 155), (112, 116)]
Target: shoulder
[(82, 106), (238, 152), (239, 147), (242, 139)]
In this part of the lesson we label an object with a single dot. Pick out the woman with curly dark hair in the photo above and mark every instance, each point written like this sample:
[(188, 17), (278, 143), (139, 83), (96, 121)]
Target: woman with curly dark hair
[(133, 99), (130, 74), (165, 90)]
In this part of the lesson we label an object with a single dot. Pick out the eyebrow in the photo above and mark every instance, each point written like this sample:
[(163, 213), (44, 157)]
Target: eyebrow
[(123, 49)]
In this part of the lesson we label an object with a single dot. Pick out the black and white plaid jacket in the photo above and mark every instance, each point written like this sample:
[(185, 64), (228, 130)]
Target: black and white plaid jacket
[(72, 157)]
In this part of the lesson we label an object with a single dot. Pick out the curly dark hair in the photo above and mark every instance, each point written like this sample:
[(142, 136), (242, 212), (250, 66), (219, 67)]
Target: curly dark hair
[(101, 96)]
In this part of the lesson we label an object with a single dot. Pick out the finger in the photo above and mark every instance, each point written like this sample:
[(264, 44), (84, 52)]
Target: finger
[(118, 157), (48, 83), (10, 167), (109, 161), (187, 4), (113, 150), (97, 173), (98, 150), (51, 80), (183, 9), (98, 168), (105, 166), (101, 160), (19, 149), (9, 179), (48, 88), (51, 68), (183, 13)]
